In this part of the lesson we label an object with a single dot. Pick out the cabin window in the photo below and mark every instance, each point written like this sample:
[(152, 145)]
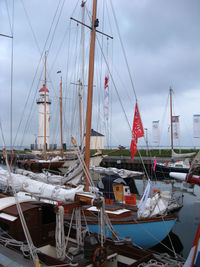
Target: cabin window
[(4, 227), (48, 215)]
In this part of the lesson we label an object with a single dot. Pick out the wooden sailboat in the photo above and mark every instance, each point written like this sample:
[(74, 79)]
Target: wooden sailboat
[(145, 232), (177, 162), (41, 220)]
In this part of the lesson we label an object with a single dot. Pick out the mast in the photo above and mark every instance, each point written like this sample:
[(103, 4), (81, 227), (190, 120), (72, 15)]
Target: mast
[(82, 90), (45, 110), (80, 111), (90, 89), (172, 145), (61, 133)]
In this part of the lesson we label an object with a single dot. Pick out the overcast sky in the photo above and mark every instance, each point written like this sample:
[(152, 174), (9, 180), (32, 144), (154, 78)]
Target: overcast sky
[(161, 41)]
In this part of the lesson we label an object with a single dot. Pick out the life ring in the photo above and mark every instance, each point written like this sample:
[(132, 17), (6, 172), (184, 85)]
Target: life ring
[(100, 257)]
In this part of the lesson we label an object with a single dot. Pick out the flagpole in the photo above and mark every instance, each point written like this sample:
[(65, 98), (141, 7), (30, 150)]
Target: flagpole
[(172, 144)]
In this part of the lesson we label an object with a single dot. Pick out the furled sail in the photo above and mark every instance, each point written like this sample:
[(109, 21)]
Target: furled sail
[(73, 176), (185, 155), (40, 189), (112, 171)]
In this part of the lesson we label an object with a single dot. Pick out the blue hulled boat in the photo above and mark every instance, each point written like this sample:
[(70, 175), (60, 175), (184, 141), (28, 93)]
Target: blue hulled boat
[(143, 233)]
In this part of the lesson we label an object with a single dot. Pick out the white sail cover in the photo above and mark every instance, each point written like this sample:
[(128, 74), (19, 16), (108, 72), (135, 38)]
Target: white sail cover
[(157, 205), (179, 155), (73, 175), (155, 132), (196, 125), (40, 189), (112, 171)]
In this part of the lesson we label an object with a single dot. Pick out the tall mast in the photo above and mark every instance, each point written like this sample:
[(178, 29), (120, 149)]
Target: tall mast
[(82, 91), (170, 92), (45, 110), (61, 133), (90, 90), (80, 111)]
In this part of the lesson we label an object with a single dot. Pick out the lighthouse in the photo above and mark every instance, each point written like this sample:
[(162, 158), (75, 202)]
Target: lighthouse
[(42, 128)]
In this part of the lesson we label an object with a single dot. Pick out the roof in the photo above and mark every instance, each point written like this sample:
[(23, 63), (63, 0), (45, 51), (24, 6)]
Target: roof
[(94, 133), (43, 89), (7, 202)]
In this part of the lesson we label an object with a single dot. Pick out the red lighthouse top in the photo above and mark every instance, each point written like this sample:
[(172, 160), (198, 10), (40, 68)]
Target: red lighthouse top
[(43, 89)]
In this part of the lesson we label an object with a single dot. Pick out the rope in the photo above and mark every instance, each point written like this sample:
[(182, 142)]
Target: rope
[(60, 234), (30, 90), (124, 53), (22, 219), (78, 227), (11, 78)]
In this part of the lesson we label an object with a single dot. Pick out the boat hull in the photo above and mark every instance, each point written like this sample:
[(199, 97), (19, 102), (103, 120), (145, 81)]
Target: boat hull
[(145, 235), (162, 171)]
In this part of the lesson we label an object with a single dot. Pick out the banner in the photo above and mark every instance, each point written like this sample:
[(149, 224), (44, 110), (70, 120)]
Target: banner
[(155, 132), (176, 128), (106, 98), (196, 125), (137, 131)]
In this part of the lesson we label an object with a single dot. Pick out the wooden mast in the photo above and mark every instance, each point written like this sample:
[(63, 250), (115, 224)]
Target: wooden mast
[(90, 91), (172, 144), (61, 133), (80, 111), (45, 110)]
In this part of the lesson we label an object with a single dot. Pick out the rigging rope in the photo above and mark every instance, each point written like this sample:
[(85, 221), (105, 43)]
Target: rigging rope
[(21, 215), (37, 68), (124, 53), (60, 234)]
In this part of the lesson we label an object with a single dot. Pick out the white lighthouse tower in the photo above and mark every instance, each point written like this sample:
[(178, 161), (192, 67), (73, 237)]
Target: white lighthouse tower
[(42, 128)]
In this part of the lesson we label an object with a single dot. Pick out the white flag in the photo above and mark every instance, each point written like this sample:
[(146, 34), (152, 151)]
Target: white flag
[(176, 128), (155, 132), (196, 125)]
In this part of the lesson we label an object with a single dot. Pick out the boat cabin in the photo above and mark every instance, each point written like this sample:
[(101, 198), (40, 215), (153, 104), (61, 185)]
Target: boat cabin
[(118, 189), (40, 219)]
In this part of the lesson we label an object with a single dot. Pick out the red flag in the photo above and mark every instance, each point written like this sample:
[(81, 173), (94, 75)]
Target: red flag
[(137, 131)]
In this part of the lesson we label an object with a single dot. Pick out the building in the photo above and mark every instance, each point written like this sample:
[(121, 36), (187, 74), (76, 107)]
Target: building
[(96, 140), (41, 110)]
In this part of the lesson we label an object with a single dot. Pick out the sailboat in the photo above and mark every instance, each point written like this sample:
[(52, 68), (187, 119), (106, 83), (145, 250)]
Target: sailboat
[(143, 232), (179, 162), (193, 175)]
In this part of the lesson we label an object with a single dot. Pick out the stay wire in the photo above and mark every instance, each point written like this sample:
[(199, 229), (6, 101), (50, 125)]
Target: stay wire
[(114, 15), (22, 219), (9, 19), (116, 90), (11, 80), (146, 173), (41, 55)]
